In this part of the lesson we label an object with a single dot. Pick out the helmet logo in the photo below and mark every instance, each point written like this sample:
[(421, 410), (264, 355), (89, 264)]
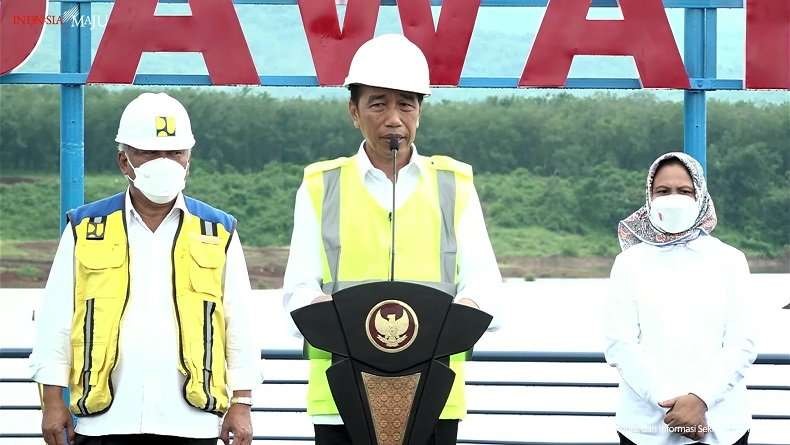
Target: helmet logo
[(165, 126)]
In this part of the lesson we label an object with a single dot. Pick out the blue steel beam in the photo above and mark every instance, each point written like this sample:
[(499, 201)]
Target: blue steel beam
[(75, 50), (700, 59), (311, 81), (72, 111)]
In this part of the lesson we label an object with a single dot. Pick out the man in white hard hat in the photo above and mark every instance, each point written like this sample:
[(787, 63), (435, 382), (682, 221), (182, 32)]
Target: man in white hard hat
[(441, 235), (145, 316)]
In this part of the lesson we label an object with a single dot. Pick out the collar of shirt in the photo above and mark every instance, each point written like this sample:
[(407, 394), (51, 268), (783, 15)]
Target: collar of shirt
[(366, 167), (701, 244), (132, 214)]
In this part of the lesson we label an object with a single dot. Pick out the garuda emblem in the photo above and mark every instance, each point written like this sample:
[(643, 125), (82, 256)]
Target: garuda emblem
[(391, 326)]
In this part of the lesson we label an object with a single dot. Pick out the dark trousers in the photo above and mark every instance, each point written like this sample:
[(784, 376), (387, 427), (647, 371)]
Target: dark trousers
[(742, 441), (445, 433), (141, 439)]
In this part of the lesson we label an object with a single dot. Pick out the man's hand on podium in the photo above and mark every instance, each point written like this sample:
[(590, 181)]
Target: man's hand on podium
[(321, 298), (468, 302)]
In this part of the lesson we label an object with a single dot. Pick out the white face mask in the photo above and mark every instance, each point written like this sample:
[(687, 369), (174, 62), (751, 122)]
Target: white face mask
[(160, 180), (673, 213)]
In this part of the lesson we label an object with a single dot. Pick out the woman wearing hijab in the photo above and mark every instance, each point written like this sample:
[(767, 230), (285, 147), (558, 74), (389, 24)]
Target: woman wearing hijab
[(677, 327)]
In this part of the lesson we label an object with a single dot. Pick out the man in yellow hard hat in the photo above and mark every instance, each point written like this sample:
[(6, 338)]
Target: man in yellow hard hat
[(344, 208), (145, 316)]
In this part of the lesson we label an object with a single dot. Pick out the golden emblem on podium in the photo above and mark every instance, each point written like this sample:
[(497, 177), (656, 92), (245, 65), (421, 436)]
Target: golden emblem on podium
[(391, 326)]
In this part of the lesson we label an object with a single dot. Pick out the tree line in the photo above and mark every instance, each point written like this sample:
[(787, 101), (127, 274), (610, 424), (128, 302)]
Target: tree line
[(570, 164)]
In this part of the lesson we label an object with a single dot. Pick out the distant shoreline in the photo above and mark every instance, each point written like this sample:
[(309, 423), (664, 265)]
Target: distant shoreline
[(26, 264)]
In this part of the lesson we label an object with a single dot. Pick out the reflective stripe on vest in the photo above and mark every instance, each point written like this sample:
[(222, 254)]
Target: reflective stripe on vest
[(101, 290), (208, 342), (434, 204)]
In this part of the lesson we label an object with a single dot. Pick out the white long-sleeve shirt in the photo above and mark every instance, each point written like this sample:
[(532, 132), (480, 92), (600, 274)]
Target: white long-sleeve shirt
[(479, 276), (678, 322), (148, 386)]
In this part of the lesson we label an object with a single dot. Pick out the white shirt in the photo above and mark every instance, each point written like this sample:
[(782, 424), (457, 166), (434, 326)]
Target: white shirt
[(148, 386), (478, 275), (679, 321)]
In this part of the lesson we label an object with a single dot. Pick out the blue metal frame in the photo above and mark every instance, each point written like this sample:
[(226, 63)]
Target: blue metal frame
[(699, 49), (75, 50), (697, 84), (700, 60)]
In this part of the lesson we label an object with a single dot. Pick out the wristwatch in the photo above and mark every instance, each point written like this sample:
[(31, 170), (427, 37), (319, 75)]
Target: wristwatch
[(242, 400)]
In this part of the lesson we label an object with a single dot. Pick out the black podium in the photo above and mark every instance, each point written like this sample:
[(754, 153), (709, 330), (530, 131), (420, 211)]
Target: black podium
[(390, 344)]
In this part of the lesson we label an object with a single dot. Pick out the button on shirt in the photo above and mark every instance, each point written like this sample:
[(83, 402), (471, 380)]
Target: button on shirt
[(678, 322), (478, 275), (148, 395)]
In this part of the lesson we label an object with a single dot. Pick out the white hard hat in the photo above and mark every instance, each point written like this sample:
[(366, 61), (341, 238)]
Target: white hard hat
[(390, 61), (155, 122)]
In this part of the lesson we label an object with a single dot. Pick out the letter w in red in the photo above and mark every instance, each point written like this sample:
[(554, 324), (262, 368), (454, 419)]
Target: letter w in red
[(644, 33)]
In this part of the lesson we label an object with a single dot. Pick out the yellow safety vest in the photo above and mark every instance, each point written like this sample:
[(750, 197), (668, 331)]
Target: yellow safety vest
[(101, 290), (356, 238)]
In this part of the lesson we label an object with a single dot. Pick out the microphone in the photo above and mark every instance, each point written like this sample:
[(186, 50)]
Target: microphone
[(394, 141)]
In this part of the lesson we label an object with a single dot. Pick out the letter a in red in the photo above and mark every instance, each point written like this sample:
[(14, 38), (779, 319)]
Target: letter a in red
[(644, 33), (213, 29)]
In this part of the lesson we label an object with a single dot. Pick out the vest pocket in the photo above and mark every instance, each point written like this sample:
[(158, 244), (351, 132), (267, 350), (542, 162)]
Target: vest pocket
[(198, 390), (89, 383), (194, 363), (98, 368), (98, 255), (91, 369), (99, 264), (202, 387), (205, 275), (75, 376)]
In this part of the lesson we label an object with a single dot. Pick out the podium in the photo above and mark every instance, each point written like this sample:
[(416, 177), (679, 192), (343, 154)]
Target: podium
[(390, 344)]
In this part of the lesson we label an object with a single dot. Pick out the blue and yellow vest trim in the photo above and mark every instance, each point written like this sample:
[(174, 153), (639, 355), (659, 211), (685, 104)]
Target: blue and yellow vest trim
[(101, 291)]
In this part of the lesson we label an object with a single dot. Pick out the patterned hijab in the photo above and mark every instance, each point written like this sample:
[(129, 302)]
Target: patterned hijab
[(637, 228)]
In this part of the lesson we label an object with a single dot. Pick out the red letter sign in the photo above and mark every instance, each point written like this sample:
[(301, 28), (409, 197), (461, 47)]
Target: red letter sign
[(213, 29), (17, 41), (446, 47), (332, 49), (644, 33), (767, 44)]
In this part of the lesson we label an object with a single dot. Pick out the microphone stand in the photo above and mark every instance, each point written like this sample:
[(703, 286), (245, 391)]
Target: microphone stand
[(394, 149)]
